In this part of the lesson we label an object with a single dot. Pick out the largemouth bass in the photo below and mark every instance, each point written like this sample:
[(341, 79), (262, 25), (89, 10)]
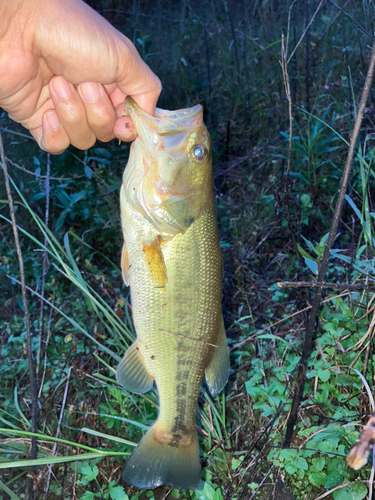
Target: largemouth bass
[(172, 261)]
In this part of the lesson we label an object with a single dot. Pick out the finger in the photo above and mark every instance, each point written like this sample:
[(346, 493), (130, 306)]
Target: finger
[(99, 110), (71, 112), (140, 83), (51, 135), (124, 128)]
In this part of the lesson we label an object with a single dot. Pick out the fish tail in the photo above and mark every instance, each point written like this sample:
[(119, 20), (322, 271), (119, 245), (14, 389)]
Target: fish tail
[(158, 460)]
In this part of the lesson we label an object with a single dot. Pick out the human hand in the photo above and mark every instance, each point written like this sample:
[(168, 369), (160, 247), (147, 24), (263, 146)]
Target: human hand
[(65, 73)]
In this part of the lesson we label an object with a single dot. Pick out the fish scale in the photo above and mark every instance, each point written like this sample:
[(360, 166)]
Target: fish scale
[(175, 276)]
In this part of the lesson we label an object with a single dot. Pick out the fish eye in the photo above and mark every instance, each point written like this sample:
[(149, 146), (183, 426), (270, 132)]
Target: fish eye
[(199, 152)]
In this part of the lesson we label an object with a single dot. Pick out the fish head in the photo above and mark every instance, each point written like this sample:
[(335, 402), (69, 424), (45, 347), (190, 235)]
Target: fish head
[(169, 173)]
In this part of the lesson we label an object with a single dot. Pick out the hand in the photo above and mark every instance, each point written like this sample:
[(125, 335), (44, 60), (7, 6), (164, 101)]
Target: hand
[(65, 73)]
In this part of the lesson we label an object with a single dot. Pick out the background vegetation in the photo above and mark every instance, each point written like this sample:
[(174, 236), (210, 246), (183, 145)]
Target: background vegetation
[(224, 54)]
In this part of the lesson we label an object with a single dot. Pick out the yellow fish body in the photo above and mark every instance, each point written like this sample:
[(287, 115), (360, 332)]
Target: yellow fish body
[(172, 261)]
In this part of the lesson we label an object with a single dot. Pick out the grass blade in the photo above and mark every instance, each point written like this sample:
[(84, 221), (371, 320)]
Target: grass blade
[(43, 437), (50, 460), (8, 491), (107, 436)]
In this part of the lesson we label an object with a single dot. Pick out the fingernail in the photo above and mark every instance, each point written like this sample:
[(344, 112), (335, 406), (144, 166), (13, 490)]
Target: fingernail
[(53, 119), (90, 91), (62, 88)]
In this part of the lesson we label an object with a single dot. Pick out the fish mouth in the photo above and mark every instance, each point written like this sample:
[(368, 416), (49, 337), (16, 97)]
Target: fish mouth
[(165, 130)]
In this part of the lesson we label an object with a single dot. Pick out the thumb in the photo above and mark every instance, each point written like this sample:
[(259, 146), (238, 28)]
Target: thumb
[(136, 79)]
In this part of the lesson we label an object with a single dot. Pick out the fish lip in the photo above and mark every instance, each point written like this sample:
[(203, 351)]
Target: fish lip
[(177, 118)]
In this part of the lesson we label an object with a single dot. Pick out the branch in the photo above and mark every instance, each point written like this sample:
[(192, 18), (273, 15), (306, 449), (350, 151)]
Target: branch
[(317, 284)]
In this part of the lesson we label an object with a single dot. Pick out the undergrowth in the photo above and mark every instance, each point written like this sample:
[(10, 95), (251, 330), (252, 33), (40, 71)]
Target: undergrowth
[(226, 56)]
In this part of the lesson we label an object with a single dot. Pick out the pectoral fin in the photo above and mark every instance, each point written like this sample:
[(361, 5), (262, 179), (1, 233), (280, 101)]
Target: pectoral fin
[(131, 372), (217, 371), (125, 264), (155, 263)]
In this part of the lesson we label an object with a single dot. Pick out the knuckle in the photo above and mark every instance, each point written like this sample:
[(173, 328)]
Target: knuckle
[(70, 113), (158, 86), (106, 137), (101, 120), (85, 143)]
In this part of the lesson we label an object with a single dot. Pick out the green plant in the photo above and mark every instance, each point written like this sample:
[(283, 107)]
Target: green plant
[(88, 473)]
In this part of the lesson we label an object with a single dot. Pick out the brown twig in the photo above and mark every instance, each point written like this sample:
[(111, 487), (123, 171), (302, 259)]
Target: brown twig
[(306, 30), (45, 263), (284, 67), (317, 284), (341, 9), (286, 182), (310, 327), (33, 382), (33, 173), (54, 449)]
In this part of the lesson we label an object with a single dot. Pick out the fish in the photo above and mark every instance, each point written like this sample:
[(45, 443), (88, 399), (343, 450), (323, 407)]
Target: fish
[(172, 261)]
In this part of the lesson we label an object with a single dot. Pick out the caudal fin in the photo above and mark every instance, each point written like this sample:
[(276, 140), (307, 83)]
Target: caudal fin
[(155, 462)]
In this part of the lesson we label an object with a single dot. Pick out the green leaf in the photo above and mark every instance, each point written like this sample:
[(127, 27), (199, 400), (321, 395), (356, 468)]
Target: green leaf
[(333, 479), (303, 252), (270, 336), (218, 495), (117, 493), (306, 200), (319, 463), (89, 473), (288, 454), (290, 469), (88, 495), (88, 172), (324, 375), (302, 464), (312, 265), (309, 244), (208, 493), (317, 478), (353, 491), (300, 474)]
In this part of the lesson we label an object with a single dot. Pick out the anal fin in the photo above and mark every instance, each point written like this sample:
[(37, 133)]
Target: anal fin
[(217, 371), (131, 372)]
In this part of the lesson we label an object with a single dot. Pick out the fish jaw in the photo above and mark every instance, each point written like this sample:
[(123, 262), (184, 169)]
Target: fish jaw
[(164, 180)]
